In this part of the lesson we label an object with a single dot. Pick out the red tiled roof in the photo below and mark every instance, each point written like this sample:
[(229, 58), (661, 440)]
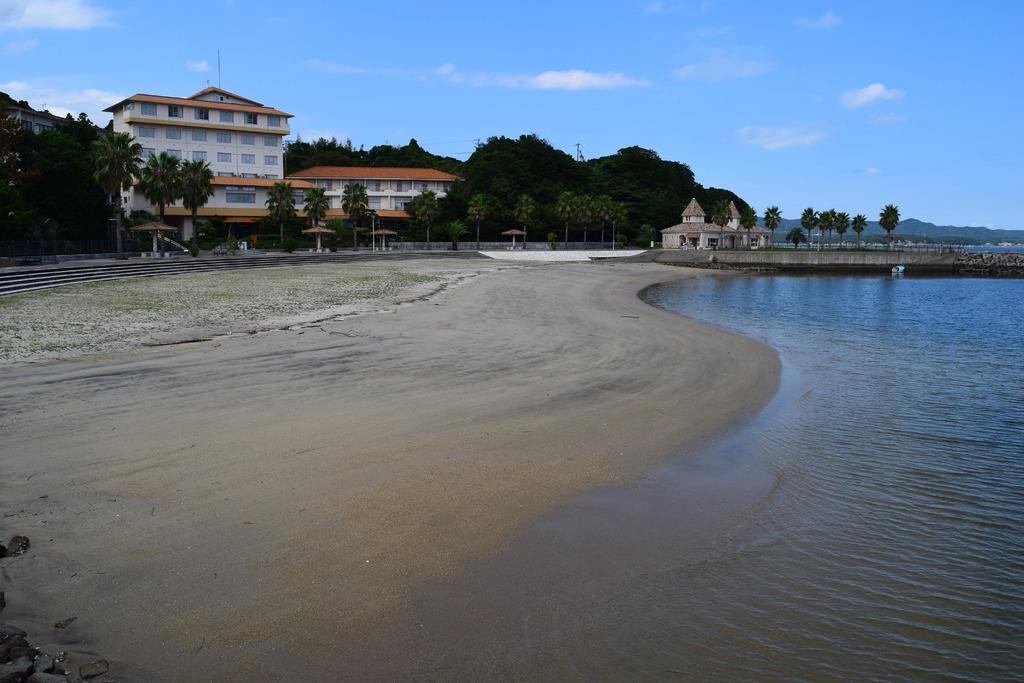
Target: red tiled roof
[(374, 173), (260, 182)]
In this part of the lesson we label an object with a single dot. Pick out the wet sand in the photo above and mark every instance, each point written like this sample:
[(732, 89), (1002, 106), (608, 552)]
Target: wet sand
[(267, 506)]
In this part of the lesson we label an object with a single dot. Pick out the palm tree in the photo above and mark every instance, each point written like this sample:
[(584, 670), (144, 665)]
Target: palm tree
[(565, 207), (720, 216), (772, 218), (455, 230), (617, 216), (196, 187), (826, 219), (425, 209), (808, 220), (796, 236), (479, 207), (842, 223), (603, 206), (117, 161), (354, 202), (889, 218), (523, 212), (160, 181), (583, 210), (860, 221), (316, 205), (280, 206), (748, 219)]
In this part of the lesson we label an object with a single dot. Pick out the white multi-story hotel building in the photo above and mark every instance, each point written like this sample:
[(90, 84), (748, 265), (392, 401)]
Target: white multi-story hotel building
[(241, 139), (387, 189)]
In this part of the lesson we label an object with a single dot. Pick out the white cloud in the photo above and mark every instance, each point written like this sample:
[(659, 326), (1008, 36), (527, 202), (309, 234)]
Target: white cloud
[(780, 138), (568, 79), (201, 65), (825, 21), (871, 170), (58, 14), (868, 94), (61, 102), (17, 47), (721, 66)]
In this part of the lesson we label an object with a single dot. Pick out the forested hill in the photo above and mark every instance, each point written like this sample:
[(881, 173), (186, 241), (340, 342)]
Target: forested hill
[(916, 230), (653, 189)]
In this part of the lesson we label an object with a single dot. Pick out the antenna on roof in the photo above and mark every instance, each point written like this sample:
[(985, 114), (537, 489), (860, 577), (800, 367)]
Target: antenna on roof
[(218, 67)]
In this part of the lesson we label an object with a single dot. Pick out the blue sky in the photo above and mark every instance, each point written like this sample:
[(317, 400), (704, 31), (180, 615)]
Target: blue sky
[(829, 104)]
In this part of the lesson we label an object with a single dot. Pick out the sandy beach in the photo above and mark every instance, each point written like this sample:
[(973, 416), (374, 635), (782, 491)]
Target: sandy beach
[(261, 506)]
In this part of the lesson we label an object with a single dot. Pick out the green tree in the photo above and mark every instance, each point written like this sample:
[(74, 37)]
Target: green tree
[(316, 205), (860, 221), (455, 230), (479, 207), (617, 216), (160, 182), (603, 209), (565, 207), (889, 218), (720, 216), (841, 223), (748, 220), (772, 218), (523, 212), (584, 212), (425, 209), (355, 203), (280, 206), (196, 188), (796, 236), (808, 220), (826, 219), (117, 161)]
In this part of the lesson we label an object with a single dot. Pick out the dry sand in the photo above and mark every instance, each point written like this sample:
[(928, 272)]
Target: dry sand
[(262, 507)]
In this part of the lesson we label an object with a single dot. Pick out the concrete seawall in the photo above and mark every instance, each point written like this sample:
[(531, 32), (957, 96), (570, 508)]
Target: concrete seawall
[(858, 261)]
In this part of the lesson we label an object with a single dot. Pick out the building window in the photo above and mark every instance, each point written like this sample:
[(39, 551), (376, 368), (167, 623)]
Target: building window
[(248, 158), (176, 153), (326, 184), (224, 157), (250, 175), (400, 203), (148, 152), (227, 117), (173, 133), (199, 136), (375, 185), (400, 186), (225, 174), (299, 197), (224, 137), (270, 141), (147, 131), (202, 114), (198, 156), (173, 111), (148, 109), (251, 119), (421, 186), (270, 160), (272, 176), (273, 121), (129, 107), (374, 202), (248, 139), (241, 197)]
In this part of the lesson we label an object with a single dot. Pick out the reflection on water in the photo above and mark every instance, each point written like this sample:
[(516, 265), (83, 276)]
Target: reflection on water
[(870, 524)]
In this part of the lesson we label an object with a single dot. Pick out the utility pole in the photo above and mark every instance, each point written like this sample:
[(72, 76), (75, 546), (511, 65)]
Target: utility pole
[(579, 152), (218, 67)]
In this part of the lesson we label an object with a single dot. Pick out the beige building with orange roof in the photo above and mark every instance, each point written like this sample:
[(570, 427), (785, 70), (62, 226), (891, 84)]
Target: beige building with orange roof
[(388, 189), (694, 232), (242, 140)]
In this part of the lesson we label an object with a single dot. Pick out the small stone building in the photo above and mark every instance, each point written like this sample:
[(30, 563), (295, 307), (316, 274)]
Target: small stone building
[(695, 233)]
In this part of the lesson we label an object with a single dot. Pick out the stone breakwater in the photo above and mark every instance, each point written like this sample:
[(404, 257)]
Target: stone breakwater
[(990, 263)]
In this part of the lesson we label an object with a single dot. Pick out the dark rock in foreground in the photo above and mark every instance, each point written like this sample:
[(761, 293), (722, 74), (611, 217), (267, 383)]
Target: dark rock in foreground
[(94, 669)]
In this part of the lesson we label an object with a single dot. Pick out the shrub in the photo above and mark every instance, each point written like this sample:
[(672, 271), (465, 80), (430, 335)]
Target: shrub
[(290, 244), (553, 241), (193, 247)]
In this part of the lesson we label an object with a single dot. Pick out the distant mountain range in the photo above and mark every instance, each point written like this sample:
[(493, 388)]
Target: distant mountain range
[(916, 230)]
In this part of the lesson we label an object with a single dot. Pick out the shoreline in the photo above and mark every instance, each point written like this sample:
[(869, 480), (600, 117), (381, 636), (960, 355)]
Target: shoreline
[(383, 461)]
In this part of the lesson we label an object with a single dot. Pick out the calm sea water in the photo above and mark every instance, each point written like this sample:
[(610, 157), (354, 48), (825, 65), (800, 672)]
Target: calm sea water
[(869, 525)]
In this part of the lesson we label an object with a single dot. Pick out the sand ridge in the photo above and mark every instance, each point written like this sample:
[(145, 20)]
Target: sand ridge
[(260, 508)]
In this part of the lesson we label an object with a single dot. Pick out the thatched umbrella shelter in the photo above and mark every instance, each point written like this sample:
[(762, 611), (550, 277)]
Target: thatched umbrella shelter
[(383, 232), (513, 232), (157, 229), (317, 230)]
